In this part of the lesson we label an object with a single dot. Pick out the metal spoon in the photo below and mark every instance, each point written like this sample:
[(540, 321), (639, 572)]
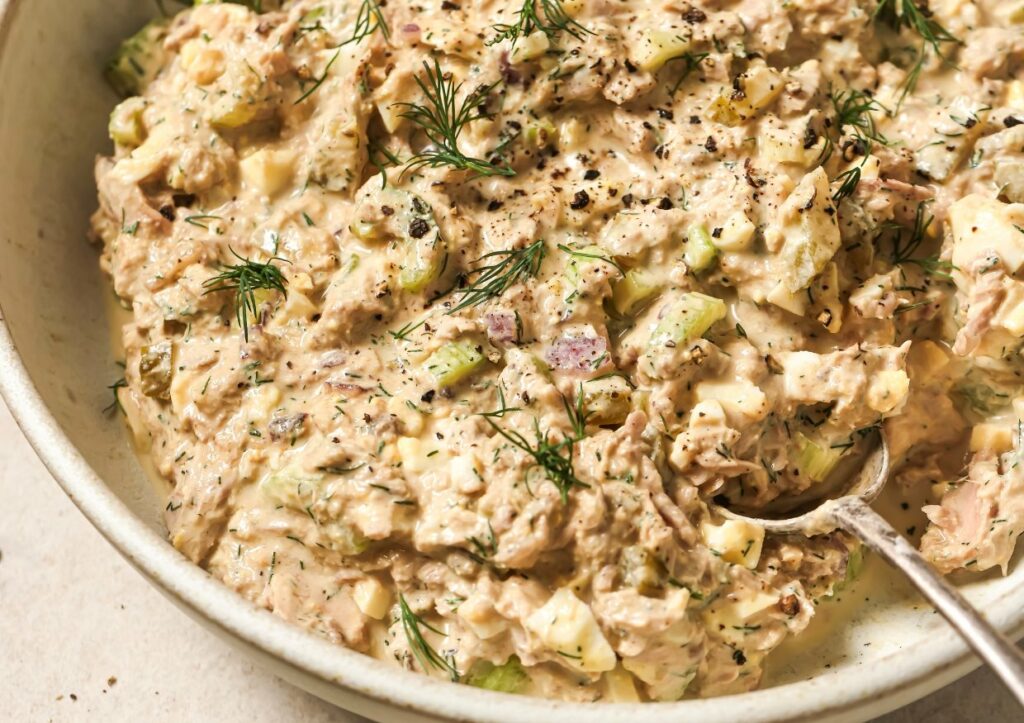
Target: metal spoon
[(852, 512)]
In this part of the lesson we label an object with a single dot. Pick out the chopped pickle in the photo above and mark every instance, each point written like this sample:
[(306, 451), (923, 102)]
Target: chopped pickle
[(454, 361), (607, 400), (156, 367)]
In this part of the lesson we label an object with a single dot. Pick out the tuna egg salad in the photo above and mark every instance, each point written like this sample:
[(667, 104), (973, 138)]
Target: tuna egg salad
[(450, 321)]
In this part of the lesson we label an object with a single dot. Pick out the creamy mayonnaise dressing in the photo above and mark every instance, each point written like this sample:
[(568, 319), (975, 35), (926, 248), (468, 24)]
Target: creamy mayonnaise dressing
[(448, 321)]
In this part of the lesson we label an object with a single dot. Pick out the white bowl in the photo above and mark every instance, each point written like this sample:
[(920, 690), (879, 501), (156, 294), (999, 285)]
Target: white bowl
[(56, 360)]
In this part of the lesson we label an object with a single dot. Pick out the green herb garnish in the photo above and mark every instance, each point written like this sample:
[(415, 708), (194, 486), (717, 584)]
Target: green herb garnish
[(369, 20), (493, 280), (551, 21), (914, 15), (244, 280), (554, 457), (442, 118), (424, 653)]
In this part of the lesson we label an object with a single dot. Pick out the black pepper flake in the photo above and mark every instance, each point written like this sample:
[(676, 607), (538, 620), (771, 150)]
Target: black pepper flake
[(695, 120), (387, 210), (1011, 121), (665, 204), (591, 175), (716, 233), (666, 114), (739, 657), (447, 5), (418, 228), (694, 16), (167, 212), (494, 205), (627, 200), (428, 396), (580, 201), (630, 67), (711, 144), (810, 138)]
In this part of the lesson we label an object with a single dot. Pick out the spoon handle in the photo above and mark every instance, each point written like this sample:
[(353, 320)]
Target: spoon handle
[(856, 516)]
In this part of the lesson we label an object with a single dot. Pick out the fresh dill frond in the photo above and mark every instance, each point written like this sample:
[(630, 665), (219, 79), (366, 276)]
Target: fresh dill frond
[(508, 269), (554, 457), (551, 20), (403, 333), (317, 82), (576, 253), (423, 651), (915, 16), (244, 279), (390, 159), (691, 61), (904, 246), (369, 20), (848, 182), (116, 404), (442, 118), (854, 108)]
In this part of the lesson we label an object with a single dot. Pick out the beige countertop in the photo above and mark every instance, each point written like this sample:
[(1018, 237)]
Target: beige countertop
[(83, 637)]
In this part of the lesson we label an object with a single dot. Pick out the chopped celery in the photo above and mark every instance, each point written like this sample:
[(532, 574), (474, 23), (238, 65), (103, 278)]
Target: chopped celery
[(156, 367), (657, 47), (126, 127), (291, 487), (541, 133), (687, 319), (699, 252), (607, 400), (631, 291), (583, 259), (138, 60), (814, 460), (454, 361), (509, 677), (425, 255)]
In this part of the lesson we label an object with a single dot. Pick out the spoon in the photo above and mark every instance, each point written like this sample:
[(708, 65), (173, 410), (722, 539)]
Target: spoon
[(852, 512)]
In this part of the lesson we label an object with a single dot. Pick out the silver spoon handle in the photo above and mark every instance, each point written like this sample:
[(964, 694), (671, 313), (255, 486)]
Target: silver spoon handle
[(856, 516)]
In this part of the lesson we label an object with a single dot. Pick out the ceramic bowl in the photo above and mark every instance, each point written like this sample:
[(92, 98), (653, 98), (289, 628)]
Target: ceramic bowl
[(56, 361)]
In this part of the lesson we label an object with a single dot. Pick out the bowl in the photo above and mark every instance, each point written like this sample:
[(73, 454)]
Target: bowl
[(57, 359)]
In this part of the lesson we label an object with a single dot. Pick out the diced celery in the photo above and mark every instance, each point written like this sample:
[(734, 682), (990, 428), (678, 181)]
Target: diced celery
[(815, 461), (607, 400), (631, 291), (138, 60), (126, 127), (583, 259), (657, 47), (541, 133), (454, 361), (344, 539), (291, 487), (699, 252), (156, 367), (688, 318), (509, 677), (425, 252)]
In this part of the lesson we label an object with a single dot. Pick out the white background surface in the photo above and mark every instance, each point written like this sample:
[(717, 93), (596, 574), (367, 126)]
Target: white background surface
[(83, 637)]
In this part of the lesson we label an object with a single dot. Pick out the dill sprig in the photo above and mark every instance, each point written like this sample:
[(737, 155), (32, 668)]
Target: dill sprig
[(904, 247), (691, 61), (576, 253), (551, 22), (554, 457), (915, 15), (116, 404), (493, 280), (442, 118), (424, 653), (854, 108), (403, 333), (244, 280), (369, 20)]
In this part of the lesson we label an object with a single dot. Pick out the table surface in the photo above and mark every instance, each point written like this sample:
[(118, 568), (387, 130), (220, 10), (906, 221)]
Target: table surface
[(85, 638)]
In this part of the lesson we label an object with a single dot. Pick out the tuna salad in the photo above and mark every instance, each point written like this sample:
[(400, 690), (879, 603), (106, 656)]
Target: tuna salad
[(454, 324)]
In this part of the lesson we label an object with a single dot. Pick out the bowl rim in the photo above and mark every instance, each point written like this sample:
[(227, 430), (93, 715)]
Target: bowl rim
[(838, 694)]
